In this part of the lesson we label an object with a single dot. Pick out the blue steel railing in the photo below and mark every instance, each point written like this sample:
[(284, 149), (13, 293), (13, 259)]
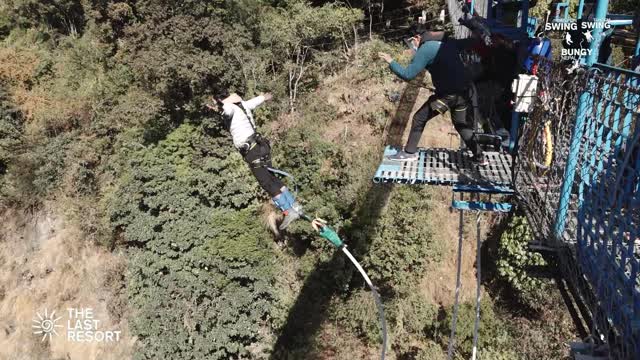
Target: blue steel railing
[(601, 207)]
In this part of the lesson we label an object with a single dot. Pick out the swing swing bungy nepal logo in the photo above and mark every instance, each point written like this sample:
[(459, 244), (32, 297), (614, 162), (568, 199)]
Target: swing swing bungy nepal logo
[(578, 36), (81, 326)]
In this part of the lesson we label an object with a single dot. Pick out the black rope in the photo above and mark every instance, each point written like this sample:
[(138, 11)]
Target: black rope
[(454, 319)]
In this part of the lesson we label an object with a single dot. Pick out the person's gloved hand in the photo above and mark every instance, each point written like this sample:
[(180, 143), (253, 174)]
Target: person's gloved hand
[(327, 232), (479, 27)]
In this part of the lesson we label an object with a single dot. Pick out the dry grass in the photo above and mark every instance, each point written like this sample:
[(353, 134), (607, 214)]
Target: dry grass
[(338, 344), (45, 264), (438, 284), (359, 102), (17, 66), (43, 110)]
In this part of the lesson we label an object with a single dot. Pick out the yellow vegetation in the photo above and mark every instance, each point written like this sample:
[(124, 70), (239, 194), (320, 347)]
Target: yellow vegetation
[(45, 264), (44, 110)]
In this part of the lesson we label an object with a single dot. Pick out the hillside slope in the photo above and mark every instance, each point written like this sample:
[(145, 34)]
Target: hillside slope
[(46, 264)]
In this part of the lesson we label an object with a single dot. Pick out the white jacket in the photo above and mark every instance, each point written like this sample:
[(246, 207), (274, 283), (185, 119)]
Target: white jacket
[(242, 123)]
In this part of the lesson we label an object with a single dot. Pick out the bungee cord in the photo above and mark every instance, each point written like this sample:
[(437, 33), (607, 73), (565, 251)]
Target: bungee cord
[(476, 325), (456, 303), (329, 234), (454, 318)]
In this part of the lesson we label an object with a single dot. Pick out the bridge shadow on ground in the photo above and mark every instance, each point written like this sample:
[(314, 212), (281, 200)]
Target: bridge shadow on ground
[(310, 309)]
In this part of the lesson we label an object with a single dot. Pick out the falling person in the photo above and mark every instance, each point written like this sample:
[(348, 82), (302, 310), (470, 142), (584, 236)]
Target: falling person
[(255, 149)]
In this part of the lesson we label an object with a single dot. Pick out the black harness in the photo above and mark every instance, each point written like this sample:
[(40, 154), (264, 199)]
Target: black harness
[(251, 142)]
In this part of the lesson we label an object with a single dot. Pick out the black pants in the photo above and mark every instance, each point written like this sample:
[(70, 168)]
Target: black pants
[(259, 159), (461, 115)]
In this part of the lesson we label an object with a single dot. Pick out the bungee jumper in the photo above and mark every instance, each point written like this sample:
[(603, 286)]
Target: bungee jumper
[(255, 149), (441, 57)]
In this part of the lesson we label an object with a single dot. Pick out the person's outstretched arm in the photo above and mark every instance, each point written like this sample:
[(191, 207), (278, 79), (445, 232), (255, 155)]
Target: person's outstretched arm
[(257, 101), (424, 57)]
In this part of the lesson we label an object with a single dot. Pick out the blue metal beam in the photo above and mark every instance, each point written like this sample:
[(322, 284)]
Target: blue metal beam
[(619, 17), (524, 15), (513, 133), (481, 206), (572, 162), (559, 6), (583, 108), (600, 16), (580, 9), (620, 22)]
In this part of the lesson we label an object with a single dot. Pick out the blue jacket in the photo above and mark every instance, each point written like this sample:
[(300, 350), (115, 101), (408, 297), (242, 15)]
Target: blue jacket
[(442, 60)]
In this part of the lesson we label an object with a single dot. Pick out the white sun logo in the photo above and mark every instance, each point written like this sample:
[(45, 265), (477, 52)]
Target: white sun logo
[(46, 324)]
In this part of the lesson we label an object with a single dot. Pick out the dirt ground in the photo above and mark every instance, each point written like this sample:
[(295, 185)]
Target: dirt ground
[(438, 284), (46, 265)]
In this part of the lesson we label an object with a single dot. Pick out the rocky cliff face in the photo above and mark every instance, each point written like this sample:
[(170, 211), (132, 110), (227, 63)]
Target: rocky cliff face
[(46, 266)]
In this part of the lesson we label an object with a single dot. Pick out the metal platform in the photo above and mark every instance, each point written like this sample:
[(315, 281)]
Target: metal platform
[(448, 167), (481, 206)]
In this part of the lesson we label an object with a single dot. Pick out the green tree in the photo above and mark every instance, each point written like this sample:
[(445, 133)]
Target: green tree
[(11, 133), (293, 33), (64, 16), (401, 246), (201, 267), (178, 50), (515, 259)]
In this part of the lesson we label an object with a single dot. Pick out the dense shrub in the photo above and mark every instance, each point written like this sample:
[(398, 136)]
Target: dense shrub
[(359, 315), (401, 244), (201, 267), (11, 128), (11, 132), (493, 332), (319, 165), (514, 260), (65, 16)]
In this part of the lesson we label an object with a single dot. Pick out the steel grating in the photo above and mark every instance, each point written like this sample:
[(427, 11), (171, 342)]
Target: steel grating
[(587, 202), (441, 166)]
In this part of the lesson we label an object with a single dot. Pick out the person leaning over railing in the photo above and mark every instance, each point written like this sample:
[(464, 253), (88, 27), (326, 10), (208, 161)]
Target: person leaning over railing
[(441, 57)]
